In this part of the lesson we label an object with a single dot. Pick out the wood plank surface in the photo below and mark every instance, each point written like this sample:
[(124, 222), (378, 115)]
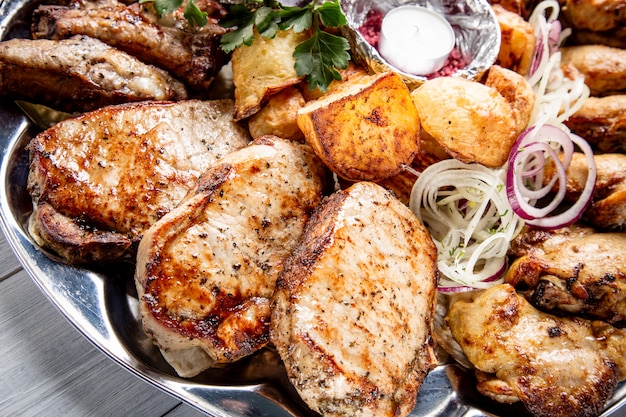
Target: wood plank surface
[(48, 368)]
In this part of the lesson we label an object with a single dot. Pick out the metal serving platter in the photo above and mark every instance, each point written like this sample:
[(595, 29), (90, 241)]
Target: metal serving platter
[(102, 305)]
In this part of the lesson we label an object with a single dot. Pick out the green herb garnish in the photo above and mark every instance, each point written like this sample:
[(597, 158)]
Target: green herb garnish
[(192, 13), (318, 58)]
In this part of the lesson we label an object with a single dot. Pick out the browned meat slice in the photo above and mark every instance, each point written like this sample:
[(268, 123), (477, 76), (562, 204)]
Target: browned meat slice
[(557, 367), (192, 54), (572, 270), (352, 312), (594, 15), (603, 67), (608, 206), (615, 38), (79, 74), (206, 271), (100, 180), (602, 122)]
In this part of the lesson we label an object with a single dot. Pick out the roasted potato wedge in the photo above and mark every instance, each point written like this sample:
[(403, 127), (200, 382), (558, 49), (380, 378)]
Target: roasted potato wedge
[(279, 117), (351, 71), (517, 41), (471, 121), (366, 129), (516, 90), (263, 69)]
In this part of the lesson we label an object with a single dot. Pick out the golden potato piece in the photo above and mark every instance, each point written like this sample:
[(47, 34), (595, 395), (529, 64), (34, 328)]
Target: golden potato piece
[(352, 70), (365, 129), (471, 121), (517, 91), (262, 69), (517, 41), (279, 117)]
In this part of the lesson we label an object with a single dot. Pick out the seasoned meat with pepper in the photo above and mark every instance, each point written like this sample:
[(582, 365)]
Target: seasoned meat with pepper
[(191, 54), (206, 271), (602, 122), (572, 270), (557, 367), (79, 74), (98, 181), (352, 312)]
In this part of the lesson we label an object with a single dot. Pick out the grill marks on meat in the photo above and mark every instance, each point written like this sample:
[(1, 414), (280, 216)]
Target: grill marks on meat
[(205, 272), (352, 311), (98, 181), (602, 121), (572, 270), (556, 366), (192, 55), (80, 74)]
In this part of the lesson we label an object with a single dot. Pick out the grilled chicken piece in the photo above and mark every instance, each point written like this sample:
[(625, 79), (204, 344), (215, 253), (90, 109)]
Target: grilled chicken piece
[(100, 180), (594, 15), (572, 270), (608, 206), (352, 312), (192, 54), (603, 67), (615, 38), (79, 74), (206, 271), (602, 122), (557, 367)]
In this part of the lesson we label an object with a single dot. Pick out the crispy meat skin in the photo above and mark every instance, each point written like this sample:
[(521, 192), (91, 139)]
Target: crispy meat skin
[(602, 122), (79, 74), (557, 367), (572, 270), (352, 311), (206, 271), (603, 67), (98, 181), (193, 55), (608, 206), (595, 15)]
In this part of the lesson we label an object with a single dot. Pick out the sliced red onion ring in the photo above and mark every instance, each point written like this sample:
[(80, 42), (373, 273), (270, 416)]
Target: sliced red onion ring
[(542, 145)]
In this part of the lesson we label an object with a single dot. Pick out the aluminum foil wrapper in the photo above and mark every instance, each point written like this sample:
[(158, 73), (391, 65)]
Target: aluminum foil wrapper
[(475, 26)]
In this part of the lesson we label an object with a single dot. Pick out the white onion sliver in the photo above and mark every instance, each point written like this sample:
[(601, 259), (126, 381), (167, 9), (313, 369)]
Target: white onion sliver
[(467, 212)]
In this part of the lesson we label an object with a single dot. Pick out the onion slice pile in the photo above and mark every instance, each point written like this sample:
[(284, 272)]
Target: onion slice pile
[(466, 209), (525, 182)]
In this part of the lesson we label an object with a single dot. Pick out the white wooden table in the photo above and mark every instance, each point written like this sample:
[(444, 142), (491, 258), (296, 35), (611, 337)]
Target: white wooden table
[(47, 368)]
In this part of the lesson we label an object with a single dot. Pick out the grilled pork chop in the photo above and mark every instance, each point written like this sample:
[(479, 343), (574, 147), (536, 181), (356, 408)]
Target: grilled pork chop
[(205, 272), (573, 270), (352, 311), (79, 74), (191, 54), (100, 180), (557, 367)]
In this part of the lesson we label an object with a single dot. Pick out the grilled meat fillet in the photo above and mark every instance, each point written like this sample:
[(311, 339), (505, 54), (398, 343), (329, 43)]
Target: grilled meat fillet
[(98, 181), (602, 122), (572, 270), (79, 74), (557, 367), (607, 210), (191, 54), (603, 67), (594, 15), (352, 311), (206, 271)]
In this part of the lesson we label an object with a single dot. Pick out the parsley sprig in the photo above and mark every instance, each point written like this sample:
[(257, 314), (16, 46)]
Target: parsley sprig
[(192, 13), (318, 58)]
